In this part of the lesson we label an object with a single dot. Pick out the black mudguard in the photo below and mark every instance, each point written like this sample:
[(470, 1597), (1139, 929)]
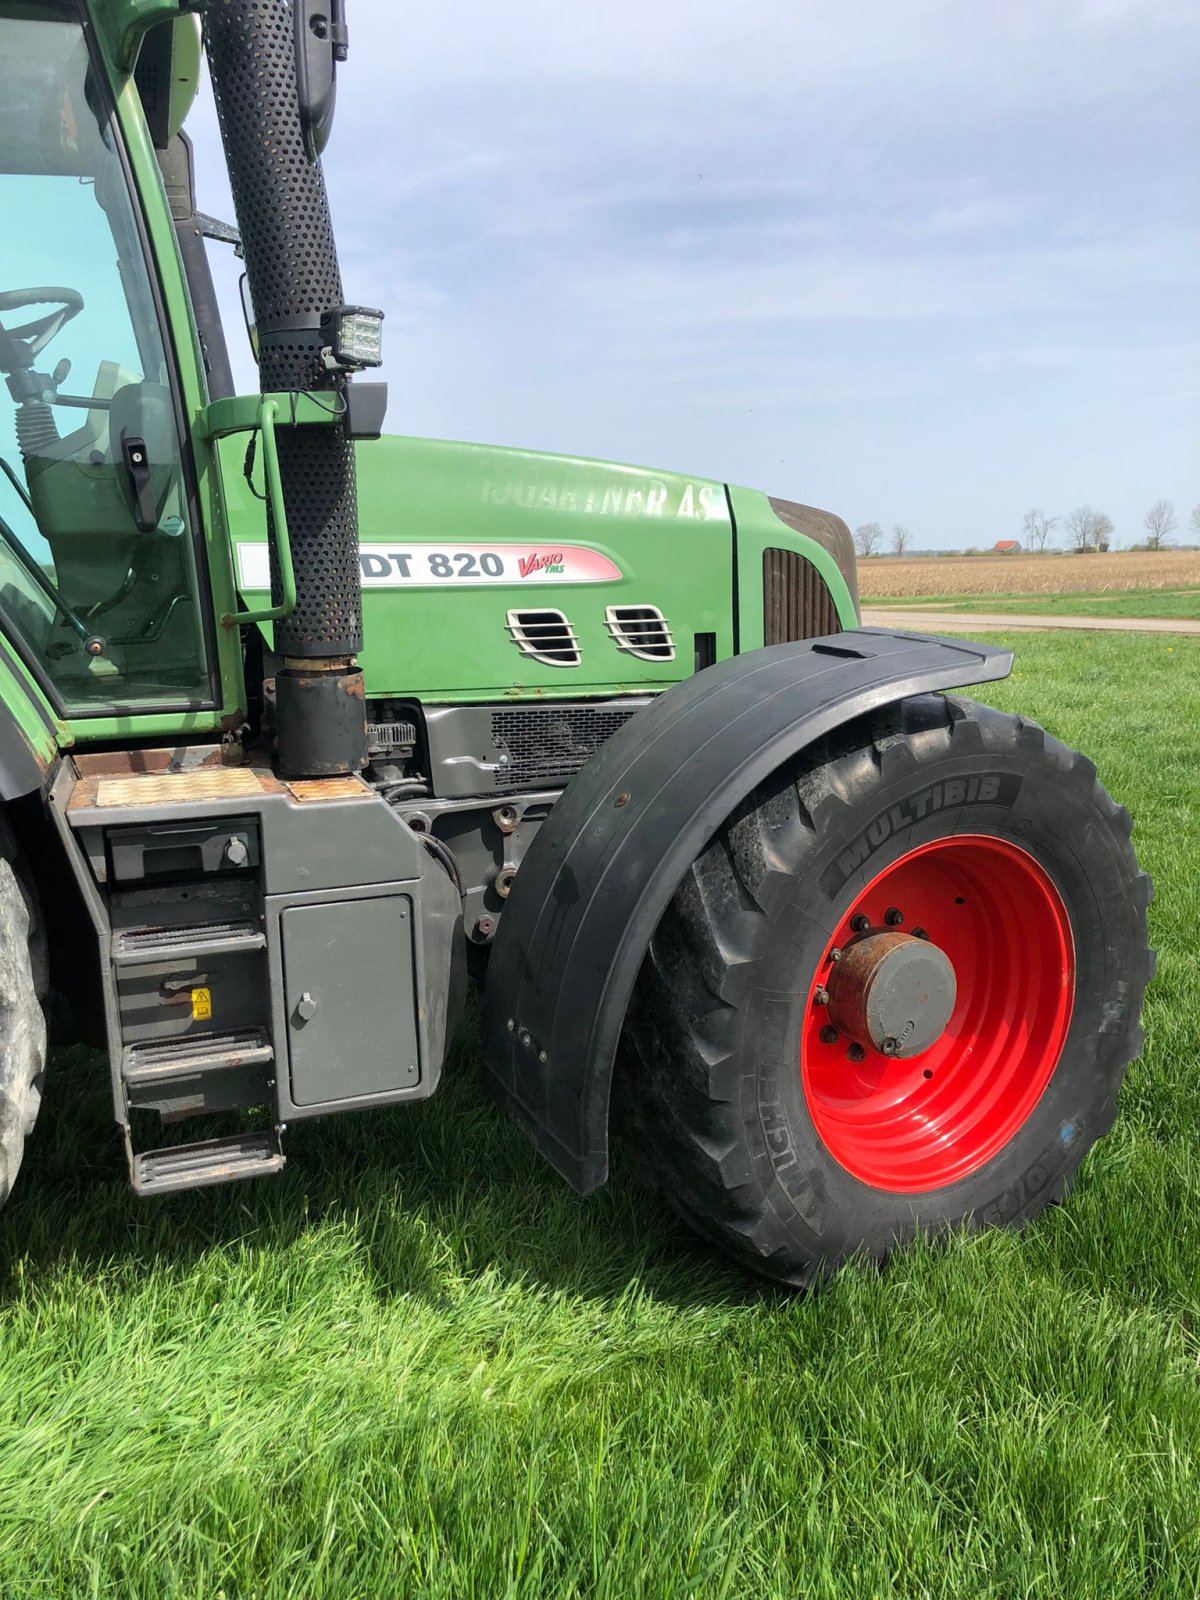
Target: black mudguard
[(605, 864)]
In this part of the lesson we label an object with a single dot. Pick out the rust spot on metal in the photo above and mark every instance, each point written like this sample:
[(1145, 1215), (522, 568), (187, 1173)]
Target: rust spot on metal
[(339, 787), (622, 799), (129, 763), (41, 762)]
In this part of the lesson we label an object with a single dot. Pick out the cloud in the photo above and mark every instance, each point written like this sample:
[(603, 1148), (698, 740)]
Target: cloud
[(753, 238)]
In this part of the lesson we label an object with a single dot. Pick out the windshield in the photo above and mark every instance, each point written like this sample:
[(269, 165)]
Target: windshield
[(97, 563)]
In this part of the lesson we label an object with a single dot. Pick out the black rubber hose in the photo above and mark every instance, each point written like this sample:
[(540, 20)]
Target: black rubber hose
[(445, 855)]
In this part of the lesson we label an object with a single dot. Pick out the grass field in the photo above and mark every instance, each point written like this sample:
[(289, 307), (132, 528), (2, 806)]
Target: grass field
[(416, 1364), (1172, 603), (985, 577)]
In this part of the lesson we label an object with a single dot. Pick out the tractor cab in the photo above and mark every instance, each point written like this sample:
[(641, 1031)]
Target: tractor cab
[(99, 556)]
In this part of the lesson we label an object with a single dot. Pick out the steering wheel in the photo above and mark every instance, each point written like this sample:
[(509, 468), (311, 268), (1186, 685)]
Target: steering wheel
[(31, 338)]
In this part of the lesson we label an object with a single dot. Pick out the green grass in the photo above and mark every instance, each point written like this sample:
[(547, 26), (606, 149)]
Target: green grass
[(1175, 604), (416, 1364)]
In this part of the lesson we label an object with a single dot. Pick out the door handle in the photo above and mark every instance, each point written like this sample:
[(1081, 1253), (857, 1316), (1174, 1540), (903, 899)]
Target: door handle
[(136, 459)]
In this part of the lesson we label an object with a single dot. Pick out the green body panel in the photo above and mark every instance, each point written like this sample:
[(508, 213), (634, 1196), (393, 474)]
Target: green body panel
[(30, 711), (669, 539), (759, 529)]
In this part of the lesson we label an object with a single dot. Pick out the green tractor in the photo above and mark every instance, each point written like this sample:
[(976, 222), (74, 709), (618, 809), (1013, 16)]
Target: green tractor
[(302, 725)]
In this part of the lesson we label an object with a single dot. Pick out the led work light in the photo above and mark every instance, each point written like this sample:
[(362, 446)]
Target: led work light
[(352, 337)]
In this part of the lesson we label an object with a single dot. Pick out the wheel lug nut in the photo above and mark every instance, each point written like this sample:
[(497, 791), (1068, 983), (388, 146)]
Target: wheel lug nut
[(821, 997), (859, 923), (835, 954), (829, 1035), (919, 933), (856, 1053), (893, 916)]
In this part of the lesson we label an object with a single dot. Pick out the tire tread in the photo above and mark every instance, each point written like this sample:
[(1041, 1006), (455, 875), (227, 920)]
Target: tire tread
[(680, 1035)]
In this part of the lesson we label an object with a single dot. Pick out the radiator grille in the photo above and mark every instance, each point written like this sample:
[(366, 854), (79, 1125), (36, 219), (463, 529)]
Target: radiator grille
[(796, 602), (549, 744)]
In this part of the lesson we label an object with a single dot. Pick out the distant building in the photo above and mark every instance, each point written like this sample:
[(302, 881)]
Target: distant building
[(1006, 547)]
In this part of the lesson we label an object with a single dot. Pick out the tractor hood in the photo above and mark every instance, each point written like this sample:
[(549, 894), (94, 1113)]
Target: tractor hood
[(490, 573)]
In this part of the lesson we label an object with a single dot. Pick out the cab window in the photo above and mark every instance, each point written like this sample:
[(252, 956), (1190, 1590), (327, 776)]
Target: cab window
[(98, 571)]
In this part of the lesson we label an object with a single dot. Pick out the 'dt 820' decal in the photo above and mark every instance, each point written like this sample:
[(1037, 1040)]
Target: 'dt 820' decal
[(426, 566)]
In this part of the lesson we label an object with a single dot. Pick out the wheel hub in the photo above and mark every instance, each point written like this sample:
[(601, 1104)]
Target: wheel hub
[(956, 1088), (892, 992)]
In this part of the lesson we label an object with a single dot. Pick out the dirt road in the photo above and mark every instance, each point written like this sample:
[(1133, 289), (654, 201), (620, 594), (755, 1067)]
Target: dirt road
[(996, 621)]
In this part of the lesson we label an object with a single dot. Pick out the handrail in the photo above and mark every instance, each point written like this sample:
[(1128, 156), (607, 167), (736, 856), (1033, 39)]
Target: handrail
[(267, 412)]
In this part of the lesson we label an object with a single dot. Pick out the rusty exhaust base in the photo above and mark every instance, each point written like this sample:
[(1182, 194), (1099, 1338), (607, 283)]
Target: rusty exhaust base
[(320, 715)]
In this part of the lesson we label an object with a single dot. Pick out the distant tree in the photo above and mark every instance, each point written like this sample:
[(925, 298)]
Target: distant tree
[(1194, 520), (901, 538), (1159, 523), (1087, 529), (1038, 528), (868, 540)]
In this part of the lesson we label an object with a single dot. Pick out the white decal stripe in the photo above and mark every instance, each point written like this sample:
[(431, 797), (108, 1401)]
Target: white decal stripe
[(430, 566)]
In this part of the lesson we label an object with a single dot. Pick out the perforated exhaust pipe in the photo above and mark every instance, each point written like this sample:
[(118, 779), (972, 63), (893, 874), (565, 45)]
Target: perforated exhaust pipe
[(292, 268)]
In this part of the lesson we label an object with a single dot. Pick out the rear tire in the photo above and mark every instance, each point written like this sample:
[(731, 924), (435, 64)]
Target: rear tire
[(793, 1153), (23, 986)]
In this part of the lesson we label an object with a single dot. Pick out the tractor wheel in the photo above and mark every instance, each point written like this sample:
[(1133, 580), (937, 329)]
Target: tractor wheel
[(897, 993), (23, 987)]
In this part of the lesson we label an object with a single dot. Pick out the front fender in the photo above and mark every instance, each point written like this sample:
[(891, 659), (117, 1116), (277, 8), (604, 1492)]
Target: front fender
[(606, 862)]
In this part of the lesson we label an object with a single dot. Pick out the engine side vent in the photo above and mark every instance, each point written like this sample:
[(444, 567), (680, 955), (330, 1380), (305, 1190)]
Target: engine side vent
[(546, 636), (548, 744), (796, 602), (643, 631)]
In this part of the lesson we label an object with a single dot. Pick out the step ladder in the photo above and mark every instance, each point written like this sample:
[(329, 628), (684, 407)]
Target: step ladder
[(210, 1161), (167, 849), (223, 1070)]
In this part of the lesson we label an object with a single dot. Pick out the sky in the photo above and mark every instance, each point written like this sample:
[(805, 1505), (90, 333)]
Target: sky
[(912, 261)]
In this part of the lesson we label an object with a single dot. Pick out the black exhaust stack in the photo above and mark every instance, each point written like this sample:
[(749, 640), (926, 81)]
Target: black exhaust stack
[(292, 267)]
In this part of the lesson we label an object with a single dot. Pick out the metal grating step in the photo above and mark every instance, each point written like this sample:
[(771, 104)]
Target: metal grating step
[(197, 1166), (164, 1062), (200, 939)]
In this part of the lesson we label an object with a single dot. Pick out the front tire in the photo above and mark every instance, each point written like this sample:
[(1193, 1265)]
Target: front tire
[(794, 1142), (23, 987)]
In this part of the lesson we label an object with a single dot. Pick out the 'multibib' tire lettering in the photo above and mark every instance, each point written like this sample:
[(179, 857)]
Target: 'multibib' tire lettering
[(989, 788)]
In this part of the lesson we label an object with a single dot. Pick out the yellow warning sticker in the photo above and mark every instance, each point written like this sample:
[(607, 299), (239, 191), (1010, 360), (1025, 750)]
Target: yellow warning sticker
[(201, 1005)]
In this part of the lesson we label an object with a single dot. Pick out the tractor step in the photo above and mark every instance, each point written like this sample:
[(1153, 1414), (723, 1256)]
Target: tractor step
[(199, 940), (212, 1161), (161, 1063)]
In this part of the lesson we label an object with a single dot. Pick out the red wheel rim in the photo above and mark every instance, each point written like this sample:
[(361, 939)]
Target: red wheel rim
[(929, 1120)]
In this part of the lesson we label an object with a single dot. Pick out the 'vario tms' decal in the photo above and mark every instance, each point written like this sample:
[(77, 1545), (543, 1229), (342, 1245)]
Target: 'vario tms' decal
[(433, 566)]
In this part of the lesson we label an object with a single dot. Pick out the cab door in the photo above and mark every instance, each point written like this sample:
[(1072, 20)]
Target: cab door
[(100, 556)]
